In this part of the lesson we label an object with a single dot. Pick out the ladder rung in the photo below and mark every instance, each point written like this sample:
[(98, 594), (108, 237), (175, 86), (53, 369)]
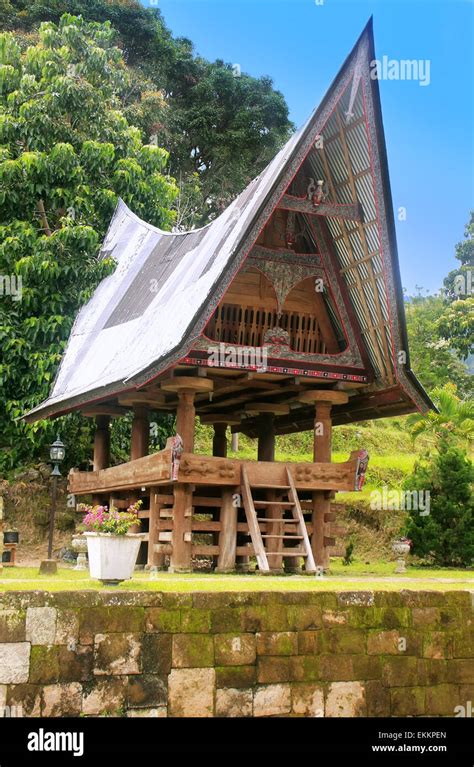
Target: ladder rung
[(286, 537), (273, 503), (271, 487), (291, 553), (277, 519)]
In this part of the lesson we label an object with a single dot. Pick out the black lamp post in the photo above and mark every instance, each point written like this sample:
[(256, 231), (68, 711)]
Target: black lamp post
[(57, 453)]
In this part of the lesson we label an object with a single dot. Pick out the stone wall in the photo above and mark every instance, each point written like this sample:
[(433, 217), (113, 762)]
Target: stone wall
[(228, 654)]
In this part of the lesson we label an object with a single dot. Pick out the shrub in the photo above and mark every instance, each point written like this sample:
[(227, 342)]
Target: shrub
[(446, 534)]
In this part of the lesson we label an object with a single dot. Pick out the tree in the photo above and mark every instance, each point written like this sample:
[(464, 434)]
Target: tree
[(221, 126), (459, 283), (432, 358), (456, 325), (67, 153), (454, 421), (446, 534)]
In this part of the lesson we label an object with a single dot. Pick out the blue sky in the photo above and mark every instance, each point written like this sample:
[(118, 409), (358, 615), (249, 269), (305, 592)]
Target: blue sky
[(429, 129)]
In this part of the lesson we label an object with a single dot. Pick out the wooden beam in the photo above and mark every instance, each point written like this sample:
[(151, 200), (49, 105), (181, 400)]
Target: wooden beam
[(352, 212)]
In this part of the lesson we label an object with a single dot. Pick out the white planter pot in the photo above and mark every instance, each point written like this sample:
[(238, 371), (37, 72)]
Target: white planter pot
[(112, 557)]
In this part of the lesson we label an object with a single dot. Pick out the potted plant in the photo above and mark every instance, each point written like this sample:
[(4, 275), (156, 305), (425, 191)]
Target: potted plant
[(111, 548)]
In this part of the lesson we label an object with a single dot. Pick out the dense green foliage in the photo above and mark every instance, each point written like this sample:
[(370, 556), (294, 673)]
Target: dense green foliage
[(446, 535), (221, 130), (67, 153)]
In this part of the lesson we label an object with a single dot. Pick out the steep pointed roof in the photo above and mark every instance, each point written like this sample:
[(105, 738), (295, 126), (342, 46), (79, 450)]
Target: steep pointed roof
[(147, 315)]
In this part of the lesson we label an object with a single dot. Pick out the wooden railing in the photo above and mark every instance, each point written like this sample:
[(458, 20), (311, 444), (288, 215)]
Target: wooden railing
[(157, 469)]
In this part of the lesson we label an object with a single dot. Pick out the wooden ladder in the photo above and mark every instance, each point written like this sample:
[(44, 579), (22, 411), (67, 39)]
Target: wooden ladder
[(297, 532)]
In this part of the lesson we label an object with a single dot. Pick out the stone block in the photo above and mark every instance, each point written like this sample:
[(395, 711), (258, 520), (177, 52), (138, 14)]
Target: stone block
[(191, 692), (163, 620), (226, 620), (426, 618), (407, 701), (273, 668), (336, 668), (442, 700), (383, 642), (331, 618), (104, 697), (111, 619), (67, 627), (12, 626), (272, 700), (75, 665), (346, 699), (146, 691), (192, 651), (25, 697), (277, 643), (462, 671), (400, 672), (62, 700), (232, 702), (116, 654), (377, 699), (14, 662), (438, 645), (304, 618), (234, 649), (309, 642), (148, 713), (352, 598), (236, 676), (304, 668), (44, 664), (196, 621), (41, 625), (307, 700), (464, 644), (156, 653), (344, 641)]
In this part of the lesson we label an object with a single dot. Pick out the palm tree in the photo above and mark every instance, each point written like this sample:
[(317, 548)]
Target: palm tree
[(454, 419)]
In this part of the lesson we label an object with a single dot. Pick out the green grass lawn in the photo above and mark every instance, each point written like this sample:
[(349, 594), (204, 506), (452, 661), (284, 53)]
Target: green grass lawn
[(357, 576)]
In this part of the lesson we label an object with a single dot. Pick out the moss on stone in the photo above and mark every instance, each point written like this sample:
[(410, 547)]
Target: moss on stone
[(195, 621), (44, 664), (192, 651), (163, 620), (236, 676)]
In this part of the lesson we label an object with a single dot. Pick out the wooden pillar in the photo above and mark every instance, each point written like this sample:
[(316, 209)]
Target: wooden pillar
[(228, 533), (323, 402), (140, 432), (185, 416), (219, 442), (102, 442), (155, 559), (266, 452), (266, 437), (226, 538), (186, 388)]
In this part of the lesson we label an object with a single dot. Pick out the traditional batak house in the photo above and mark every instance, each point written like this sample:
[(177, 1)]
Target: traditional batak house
[(284, 314)]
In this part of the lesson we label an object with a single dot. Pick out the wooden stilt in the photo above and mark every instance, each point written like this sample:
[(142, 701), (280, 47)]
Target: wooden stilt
[(140, 432), (323, 401), (219, 442), (228, 533), (266, 437), (181, 535), (102, 442), (155, 559)]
